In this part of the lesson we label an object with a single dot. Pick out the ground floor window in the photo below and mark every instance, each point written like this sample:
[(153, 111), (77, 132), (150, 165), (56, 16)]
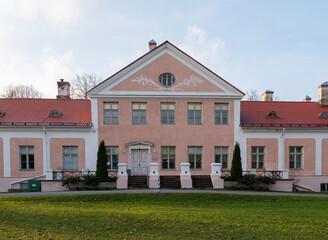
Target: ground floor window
[(221, 156), (258, 155), (324, 187), (112, 157), (195, 157), (70, 158), (295, 157), (168, 158), (26, 157)]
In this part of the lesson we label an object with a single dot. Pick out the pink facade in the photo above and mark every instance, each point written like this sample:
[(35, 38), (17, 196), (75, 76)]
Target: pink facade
[(271, 152), (56, 152), (15, 144), (1, 159)]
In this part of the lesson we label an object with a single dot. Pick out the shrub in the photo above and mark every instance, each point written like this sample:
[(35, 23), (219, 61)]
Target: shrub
[(236, 170), (248, 179), (112, 179), (90, 180), (265, 179), (101, 171), (72, 179)]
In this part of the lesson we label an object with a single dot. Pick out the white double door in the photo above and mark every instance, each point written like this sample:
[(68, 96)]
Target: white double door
[(139, 159)]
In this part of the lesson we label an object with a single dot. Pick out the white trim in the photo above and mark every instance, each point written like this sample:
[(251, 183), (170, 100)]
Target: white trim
[(6, 157), (318, 157), (139, 147), (236, 120)]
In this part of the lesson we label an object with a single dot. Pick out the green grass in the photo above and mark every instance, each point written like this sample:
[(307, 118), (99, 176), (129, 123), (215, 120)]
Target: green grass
[(170, 216)]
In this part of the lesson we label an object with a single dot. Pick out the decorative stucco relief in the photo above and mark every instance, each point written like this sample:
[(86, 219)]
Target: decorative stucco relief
[(144, 80)]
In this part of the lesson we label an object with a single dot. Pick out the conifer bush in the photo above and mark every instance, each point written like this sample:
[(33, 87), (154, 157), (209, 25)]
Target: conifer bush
[(236, 169), (101, 172)]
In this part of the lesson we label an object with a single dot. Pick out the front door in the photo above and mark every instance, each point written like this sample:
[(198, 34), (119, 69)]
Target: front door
[(139, 161)]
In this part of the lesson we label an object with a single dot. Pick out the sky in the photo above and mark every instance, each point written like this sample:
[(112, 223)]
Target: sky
[(280, 45)]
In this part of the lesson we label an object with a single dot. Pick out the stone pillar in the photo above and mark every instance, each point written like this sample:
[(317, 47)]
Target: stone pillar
[(285, 174), (217, 182), (185, 176), (122, 176), (49, 175), (153, 175)]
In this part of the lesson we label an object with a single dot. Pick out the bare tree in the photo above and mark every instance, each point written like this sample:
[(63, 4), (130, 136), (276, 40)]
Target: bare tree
[(21, 91), (83, 83), (252, 95)]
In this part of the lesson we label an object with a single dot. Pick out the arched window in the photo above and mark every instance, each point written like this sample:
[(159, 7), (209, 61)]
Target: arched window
[(166, 79), (55, 113), (272, 114)]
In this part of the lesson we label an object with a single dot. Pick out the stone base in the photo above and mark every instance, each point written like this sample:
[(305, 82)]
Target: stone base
[(217, 181), (186, 181), (122, 182), (100, 186), (153, 181)]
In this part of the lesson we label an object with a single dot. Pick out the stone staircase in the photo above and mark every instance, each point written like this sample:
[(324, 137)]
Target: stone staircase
[(137, 182), (170, 182), (202, 182)]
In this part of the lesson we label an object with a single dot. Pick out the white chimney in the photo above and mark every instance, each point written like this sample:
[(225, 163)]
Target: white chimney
[(63, 89), (152, 44), (267, 96), (323, 94)]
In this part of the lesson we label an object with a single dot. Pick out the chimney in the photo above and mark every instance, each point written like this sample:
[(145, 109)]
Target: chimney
[(323, 94), (307, 99), (267, 96), (152, 45), (63, 89)]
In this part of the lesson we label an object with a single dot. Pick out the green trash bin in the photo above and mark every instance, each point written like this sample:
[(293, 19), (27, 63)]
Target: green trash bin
[(34, 185)]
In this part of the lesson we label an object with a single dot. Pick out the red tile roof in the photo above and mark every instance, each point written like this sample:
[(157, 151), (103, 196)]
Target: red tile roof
[(290, 114), (35, 112)]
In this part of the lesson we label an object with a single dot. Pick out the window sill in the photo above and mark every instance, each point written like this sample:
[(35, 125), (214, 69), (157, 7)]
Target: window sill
[(168, 169), (26, 169), (296, 168)]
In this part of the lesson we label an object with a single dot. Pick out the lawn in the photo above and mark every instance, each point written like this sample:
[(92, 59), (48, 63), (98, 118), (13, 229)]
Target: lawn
[(169, 216)]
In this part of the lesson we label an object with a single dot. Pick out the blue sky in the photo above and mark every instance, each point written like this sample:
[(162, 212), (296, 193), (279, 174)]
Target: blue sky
[(254, 44)]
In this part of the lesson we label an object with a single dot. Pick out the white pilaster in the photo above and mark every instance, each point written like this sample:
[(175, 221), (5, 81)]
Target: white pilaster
[(6, 156), (318, 155)]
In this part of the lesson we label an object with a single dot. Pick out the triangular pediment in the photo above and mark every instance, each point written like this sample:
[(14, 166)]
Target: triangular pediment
[(141, 78)]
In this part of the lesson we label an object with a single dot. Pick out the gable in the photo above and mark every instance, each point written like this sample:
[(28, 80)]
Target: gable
[(140, 78)]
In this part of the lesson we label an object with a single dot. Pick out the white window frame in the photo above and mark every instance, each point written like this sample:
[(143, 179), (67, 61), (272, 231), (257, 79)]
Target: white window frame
[(219, 153), (257, 155), (166, 109), (110, 107), (195, 157), (138, 107), (28, 158), (70, 154), (110, 157), (294, 153), (193, 107), (221, 108), (169, 159)]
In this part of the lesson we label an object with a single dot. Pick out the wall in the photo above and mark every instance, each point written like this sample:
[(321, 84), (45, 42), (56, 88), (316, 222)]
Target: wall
[(1, 159), (180, 134), (56, 152), (324, 162)]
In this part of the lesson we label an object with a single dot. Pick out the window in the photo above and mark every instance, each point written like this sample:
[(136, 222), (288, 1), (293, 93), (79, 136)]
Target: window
[(168, 158), (166, 79), (221, 113), (324, 115), (2, 114), (194, 113), (110, 112), (70, 160), (167, 113), (139, 113), (26, 157), (324, 187), (112, 157), (257, 158), (195, 157), (295, 157), (272, 114), (55, 113), (221, 156)]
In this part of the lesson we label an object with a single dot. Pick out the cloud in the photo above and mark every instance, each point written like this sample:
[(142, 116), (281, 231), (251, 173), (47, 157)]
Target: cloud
[(204, 49), (60, 14)]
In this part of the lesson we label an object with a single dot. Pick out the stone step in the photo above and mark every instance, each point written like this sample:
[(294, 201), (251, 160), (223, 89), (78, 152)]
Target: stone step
[(170, 181), (202, 181)]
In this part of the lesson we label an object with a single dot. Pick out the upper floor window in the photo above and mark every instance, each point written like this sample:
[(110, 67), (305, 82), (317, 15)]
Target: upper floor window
[(221, 113), (195, 155), (112, 157), (110, 112), (258, 157), (168, 158), (70, 159), (221, 156), (295, 157), (167, 113), (194, 113), (166, 79), (26, 157), (139, 113)]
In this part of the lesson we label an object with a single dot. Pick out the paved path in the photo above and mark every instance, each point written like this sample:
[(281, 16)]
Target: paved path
[(162, 191)]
